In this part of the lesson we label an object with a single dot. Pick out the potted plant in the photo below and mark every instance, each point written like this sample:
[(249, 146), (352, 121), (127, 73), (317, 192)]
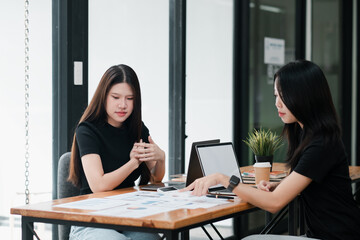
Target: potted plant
[(263, 143)]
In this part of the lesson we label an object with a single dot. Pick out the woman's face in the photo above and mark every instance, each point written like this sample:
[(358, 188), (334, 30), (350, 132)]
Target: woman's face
[(119, 104), (284, 113)]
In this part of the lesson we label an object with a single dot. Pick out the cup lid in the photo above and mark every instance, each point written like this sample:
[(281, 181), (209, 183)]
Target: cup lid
[(262, 164)]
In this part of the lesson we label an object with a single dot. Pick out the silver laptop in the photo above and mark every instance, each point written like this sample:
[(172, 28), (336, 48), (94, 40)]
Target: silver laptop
[(194, 169), (219, 158)]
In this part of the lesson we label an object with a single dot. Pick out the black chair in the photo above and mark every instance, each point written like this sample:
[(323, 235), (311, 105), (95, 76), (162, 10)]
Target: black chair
[(65, 189)]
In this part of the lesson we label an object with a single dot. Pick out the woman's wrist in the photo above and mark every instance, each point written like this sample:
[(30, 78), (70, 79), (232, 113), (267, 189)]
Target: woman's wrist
[(134, 163), (224, 180), (163, 156)]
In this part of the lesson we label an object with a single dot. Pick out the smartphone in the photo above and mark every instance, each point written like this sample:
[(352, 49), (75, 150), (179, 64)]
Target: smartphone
[(152, 187), (166, 189)]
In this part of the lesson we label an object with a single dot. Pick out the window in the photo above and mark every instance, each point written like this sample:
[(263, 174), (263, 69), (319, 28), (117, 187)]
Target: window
[(129, 32), (12, 121)]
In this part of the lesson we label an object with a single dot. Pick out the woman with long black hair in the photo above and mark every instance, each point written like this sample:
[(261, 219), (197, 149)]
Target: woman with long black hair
[(316, 156), (112, 147)]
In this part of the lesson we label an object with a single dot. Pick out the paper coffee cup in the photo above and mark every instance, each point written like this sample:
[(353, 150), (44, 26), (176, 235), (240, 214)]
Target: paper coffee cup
[(262, 171)]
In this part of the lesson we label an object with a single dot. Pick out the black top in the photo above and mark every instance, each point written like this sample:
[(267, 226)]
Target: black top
[(330, 209), (112, 144)]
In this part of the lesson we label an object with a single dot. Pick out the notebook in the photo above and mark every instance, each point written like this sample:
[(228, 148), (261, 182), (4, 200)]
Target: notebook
[(218, 158)]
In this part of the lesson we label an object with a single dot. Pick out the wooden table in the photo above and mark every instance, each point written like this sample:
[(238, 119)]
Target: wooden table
[(170, 223)]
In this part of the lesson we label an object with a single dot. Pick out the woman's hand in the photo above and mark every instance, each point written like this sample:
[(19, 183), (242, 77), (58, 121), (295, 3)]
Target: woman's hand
[(267, 186), (201, 185), (153, 156), (148, 151), (133, 153)]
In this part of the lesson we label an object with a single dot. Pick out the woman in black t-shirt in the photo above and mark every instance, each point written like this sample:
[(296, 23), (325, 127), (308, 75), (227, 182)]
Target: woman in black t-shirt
[(112, 147), (316, 155)]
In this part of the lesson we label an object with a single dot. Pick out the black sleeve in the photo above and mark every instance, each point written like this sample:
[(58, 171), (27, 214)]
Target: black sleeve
[(87, 140), (316, 161), (145, 133)]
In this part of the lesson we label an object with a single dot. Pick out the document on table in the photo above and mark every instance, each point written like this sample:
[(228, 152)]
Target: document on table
[(93, 204), (143, 203), (132, 211), (173, 199)]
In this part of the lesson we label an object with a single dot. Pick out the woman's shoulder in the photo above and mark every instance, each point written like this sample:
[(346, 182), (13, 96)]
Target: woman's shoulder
[(322, 140), (326, 146), (86, 127)]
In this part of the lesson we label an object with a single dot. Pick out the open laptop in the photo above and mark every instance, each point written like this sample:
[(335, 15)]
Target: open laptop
[(219, 158), (194, 168)]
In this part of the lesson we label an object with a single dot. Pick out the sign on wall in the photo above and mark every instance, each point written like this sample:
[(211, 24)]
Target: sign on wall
[(274, 51)]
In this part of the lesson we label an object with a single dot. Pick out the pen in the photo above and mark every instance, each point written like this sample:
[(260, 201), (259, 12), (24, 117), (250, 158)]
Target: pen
[(219, 196)]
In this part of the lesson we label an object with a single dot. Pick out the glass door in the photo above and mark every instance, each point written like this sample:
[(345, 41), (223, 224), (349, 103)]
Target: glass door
[(272, 44), (326, 42)]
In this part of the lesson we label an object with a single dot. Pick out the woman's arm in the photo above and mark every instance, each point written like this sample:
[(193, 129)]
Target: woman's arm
[(267, 186), (274, 201), (100, 182)]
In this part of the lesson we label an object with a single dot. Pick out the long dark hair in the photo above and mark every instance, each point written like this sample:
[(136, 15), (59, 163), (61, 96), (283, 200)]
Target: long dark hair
[(304, 90), (96, 112)]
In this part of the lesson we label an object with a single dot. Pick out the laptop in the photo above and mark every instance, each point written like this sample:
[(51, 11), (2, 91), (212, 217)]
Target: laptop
[(194, 169), (219, 158)]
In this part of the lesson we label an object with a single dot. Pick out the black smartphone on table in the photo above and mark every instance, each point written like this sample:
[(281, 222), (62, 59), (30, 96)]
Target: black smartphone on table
[(167, 189), (152, 187)]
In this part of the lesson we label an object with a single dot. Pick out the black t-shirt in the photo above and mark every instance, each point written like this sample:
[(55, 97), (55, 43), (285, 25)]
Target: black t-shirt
[(330, 209), (112, 144)]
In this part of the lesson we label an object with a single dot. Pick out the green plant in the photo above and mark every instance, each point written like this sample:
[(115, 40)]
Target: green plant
[(263, 142)]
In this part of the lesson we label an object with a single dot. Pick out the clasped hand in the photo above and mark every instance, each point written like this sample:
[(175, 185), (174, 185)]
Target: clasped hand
[(144, 152)]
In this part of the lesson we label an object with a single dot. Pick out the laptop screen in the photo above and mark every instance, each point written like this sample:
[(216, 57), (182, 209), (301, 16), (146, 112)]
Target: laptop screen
[(194, 169), (218, 158)]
